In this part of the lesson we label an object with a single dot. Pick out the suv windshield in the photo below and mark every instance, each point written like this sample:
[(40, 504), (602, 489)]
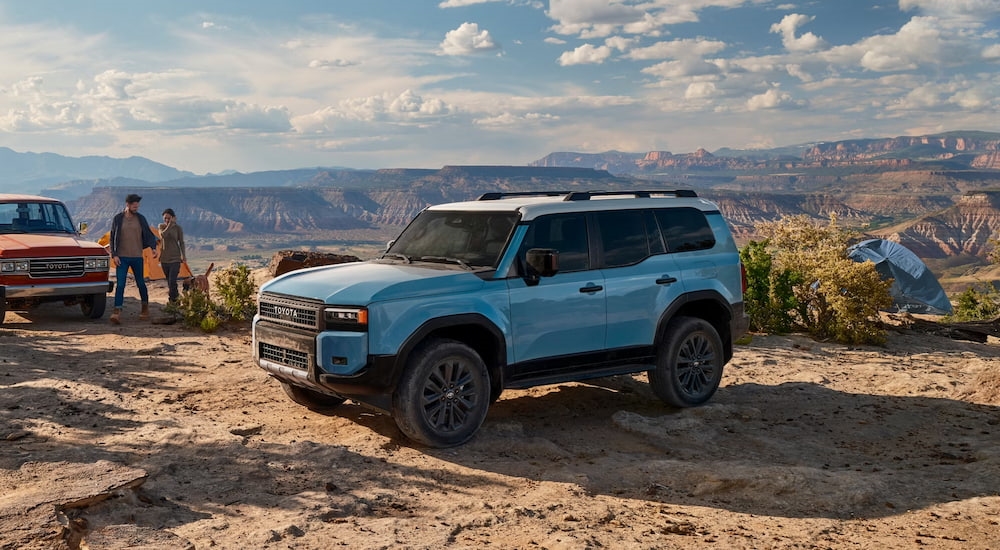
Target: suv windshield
[(35, 217), (472, 239)]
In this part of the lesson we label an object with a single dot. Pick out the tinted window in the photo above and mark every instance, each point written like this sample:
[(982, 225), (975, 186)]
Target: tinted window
[(566, 233), (476, 238), (653, 234), (685, 229), (623, 237)]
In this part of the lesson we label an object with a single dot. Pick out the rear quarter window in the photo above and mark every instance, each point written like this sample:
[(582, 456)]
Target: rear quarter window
[(685, 229)]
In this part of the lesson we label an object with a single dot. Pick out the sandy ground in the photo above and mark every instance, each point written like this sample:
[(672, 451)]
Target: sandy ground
[(157, 436)]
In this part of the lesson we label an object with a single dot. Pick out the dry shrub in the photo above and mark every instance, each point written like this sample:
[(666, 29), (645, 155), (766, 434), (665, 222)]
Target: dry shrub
[(833, 297)]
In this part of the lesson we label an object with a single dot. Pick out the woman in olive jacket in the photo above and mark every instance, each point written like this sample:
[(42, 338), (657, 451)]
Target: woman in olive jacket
[(173, 254)]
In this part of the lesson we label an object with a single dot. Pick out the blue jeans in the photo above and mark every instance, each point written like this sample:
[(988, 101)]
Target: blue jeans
[(121, 274)]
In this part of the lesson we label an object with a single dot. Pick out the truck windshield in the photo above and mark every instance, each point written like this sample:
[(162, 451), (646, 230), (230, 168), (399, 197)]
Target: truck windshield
[(474, 239), (35, 217)]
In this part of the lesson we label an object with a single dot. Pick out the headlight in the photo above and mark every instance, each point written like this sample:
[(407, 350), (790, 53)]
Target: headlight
[(14, 266), (95, 264), (346, 317)]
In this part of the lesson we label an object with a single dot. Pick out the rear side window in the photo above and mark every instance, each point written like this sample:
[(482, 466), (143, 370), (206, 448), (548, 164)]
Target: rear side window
[(623, 237), (685, 229)]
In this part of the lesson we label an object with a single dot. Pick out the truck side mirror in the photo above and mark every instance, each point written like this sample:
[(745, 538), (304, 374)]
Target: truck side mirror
[(83, 228), (541, 262)]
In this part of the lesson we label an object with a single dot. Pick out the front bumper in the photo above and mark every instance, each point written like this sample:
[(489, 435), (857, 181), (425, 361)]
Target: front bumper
[(45, 290), (290, 355)]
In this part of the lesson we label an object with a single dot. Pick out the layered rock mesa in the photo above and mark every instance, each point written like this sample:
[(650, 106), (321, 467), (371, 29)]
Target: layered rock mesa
[(951, 150), (954, 213), (323, 204), (966, 228)]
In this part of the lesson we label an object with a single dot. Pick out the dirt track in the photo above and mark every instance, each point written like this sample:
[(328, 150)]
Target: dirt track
[(806, 445)]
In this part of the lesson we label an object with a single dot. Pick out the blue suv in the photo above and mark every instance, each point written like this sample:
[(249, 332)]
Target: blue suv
[(512, 290)]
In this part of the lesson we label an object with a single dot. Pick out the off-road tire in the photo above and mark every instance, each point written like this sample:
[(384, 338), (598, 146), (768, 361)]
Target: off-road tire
[(443, 395), (93, 305), (688, 363), (311, 399)]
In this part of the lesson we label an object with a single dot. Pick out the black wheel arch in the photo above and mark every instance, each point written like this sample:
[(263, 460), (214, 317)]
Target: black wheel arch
[(472, 329), (703, 304)]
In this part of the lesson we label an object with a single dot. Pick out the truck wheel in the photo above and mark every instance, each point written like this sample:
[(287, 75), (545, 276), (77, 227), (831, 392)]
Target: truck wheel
[(311, 399), (93, 305), (443, 394), (688, 364)]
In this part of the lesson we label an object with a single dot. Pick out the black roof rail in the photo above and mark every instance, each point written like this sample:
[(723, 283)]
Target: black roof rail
[(497, 195), (644, 194)]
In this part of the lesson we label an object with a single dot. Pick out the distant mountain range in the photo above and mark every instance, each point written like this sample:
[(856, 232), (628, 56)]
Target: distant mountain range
[(29, 172), (947, 151), (798, 168), (937, 194)]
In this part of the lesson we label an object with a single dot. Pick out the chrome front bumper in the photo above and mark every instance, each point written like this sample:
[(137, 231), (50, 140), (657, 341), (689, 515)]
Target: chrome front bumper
[(58, 289)]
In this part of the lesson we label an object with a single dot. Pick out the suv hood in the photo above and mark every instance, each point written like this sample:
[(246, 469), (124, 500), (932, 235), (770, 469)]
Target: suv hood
[(362, 283), (40, 245)]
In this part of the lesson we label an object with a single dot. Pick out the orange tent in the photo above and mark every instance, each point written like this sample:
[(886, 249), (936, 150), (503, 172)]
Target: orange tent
[(150, 267)]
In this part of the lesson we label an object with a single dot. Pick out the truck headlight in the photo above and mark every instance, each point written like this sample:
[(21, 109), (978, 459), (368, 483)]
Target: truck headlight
[(14, 266), (346, 318), (96, 264)]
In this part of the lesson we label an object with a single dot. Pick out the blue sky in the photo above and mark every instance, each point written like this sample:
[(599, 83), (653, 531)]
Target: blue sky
[(214, 85)]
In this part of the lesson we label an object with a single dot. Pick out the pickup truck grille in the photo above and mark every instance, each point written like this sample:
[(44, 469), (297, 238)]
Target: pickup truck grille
[(291, 312), (48, 268)]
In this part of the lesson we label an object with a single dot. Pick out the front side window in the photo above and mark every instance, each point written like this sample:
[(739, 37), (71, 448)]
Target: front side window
[(475, 239), (566, 233), (35, 217)]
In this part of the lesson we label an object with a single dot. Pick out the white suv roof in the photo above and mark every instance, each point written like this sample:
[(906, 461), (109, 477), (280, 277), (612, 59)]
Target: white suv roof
[(534, 204)]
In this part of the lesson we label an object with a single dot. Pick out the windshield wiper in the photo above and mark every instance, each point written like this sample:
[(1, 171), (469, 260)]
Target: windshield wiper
[(445, 259), (403, 257)]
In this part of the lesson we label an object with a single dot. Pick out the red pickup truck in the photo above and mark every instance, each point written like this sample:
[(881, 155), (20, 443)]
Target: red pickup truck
[(43, 258)]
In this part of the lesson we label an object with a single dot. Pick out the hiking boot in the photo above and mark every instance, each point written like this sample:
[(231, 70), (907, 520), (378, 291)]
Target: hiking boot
[(116, 316), (144, 314)]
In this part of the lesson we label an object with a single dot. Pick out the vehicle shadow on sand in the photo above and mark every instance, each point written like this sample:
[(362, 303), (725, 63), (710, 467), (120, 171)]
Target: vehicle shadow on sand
[(793, 450)]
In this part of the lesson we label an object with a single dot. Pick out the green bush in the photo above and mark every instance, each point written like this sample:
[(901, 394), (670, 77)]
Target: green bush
[(193, 306), (769, 298), (236, 290), (800, 278), (976, 305)]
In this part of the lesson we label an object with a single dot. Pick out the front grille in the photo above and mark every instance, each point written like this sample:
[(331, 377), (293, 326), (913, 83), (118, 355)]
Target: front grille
[(284, 356), (291, 312), (47, 268)]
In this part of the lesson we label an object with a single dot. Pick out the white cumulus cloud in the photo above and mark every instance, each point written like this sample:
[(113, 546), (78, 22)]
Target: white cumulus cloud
[(468, 39), (771, 99), (675, 49), (806, 42), (585, 54)]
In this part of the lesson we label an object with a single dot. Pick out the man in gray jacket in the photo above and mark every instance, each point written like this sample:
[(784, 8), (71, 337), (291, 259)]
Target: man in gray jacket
[(130, 235)]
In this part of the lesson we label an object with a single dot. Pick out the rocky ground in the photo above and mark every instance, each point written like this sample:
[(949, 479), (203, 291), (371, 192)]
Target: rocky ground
[(158, 436)]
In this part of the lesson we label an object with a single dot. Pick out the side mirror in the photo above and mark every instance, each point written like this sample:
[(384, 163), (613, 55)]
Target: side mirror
[(541, 262), (83, 228), (389, 244)]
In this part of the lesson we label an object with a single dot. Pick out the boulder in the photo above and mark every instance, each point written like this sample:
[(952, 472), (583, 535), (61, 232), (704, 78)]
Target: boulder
[(290, 260)]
